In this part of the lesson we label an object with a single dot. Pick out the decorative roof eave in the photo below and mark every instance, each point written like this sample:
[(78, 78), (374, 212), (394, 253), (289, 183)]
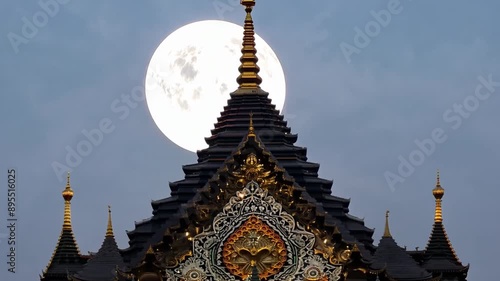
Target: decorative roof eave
[(390, 278), (463, 269)]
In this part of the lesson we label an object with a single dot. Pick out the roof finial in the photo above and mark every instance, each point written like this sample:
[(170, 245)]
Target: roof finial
[(67, 195), (251, 130), (438, 182), (150, 250), (249, 77), (109, 230), (387, 232), (67, 179), (438, 193)]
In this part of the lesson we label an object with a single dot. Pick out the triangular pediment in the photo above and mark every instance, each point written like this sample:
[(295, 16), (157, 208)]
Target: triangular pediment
[(251, 165)]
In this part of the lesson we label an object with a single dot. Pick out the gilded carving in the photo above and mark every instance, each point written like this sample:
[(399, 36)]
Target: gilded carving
[(254, 244), (253, 229)]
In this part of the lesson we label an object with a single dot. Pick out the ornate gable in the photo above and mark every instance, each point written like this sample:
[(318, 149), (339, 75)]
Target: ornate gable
[(252, 214), (253, 229)]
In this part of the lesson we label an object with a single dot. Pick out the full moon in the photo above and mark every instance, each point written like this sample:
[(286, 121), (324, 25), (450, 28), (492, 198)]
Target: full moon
[(191, 74)]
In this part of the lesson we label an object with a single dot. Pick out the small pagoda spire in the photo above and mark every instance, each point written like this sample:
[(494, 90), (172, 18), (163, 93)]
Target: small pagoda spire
[(438, 193), (109, 230), (387, 232), (249, 70), (66, 256), (393, 258), (67, 195), (439, 253)]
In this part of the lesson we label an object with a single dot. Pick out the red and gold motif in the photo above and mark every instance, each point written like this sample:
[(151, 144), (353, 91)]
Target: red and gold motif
[(254, 244)]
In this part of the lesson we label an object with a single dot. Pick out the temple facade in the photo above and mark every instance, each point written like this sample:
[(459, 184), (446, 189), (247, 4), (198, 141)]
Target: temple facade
[(253, 209)]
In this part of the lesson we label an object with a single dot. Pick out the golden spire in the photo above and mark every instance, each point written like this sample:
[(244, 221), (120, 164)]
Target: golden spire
[(387, 232), (249, 77), (150, 250), (109, 230), (251, 130), (438, 193), (67, 195), (355, 248)]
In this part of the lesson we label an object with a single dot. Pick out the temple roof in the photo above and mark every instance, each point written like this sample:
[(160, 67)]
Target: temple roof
[(230, 129), (249, 165), (102, 266), (439, 254), (66, 258), (398, 264)]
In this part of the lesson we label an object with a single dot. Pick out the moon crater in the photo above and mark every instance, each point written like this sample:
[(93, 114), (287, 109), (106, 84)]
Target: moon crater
[(191, 74)]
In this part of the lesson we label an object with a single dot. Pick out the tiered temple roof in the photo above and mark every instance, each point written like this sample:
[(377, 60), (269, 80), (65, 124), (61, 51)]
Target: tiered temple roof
[(66, 258), (439, 256), (397, 263), (103, 265), (230, 129), (252, 161)]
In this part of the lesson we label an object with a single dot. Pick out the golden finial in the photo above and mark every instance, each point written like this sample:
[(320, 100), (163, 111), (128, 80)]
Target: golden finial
[(150, 250), (387, 232), (109, 230), (251, 130), (249, 77), (355, 248), (67, 195), (438, 193)]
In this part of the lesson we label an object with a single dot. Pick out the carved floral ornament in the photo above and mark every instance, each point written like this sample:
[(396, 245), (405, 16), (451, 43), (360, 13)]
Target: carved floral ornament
[(253, 230)]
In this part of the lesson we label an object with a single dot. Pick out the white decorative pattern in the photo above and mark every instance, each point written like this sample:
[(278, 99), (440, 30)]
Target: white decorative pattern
[(206, 263)]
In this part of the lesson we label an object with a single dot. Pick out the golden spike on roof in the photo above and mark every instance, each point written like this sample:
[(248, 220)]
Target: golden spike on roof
[(109, 230), (355, 248), (251, 130), (249, 77), (150, 250), (387, 232), (67, 195), (438, 193)]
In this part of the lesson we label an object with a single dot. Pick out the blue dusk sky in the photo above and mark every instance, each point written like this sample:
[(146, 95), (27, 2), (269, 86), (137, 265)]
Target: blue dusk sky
[(381, 103)]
